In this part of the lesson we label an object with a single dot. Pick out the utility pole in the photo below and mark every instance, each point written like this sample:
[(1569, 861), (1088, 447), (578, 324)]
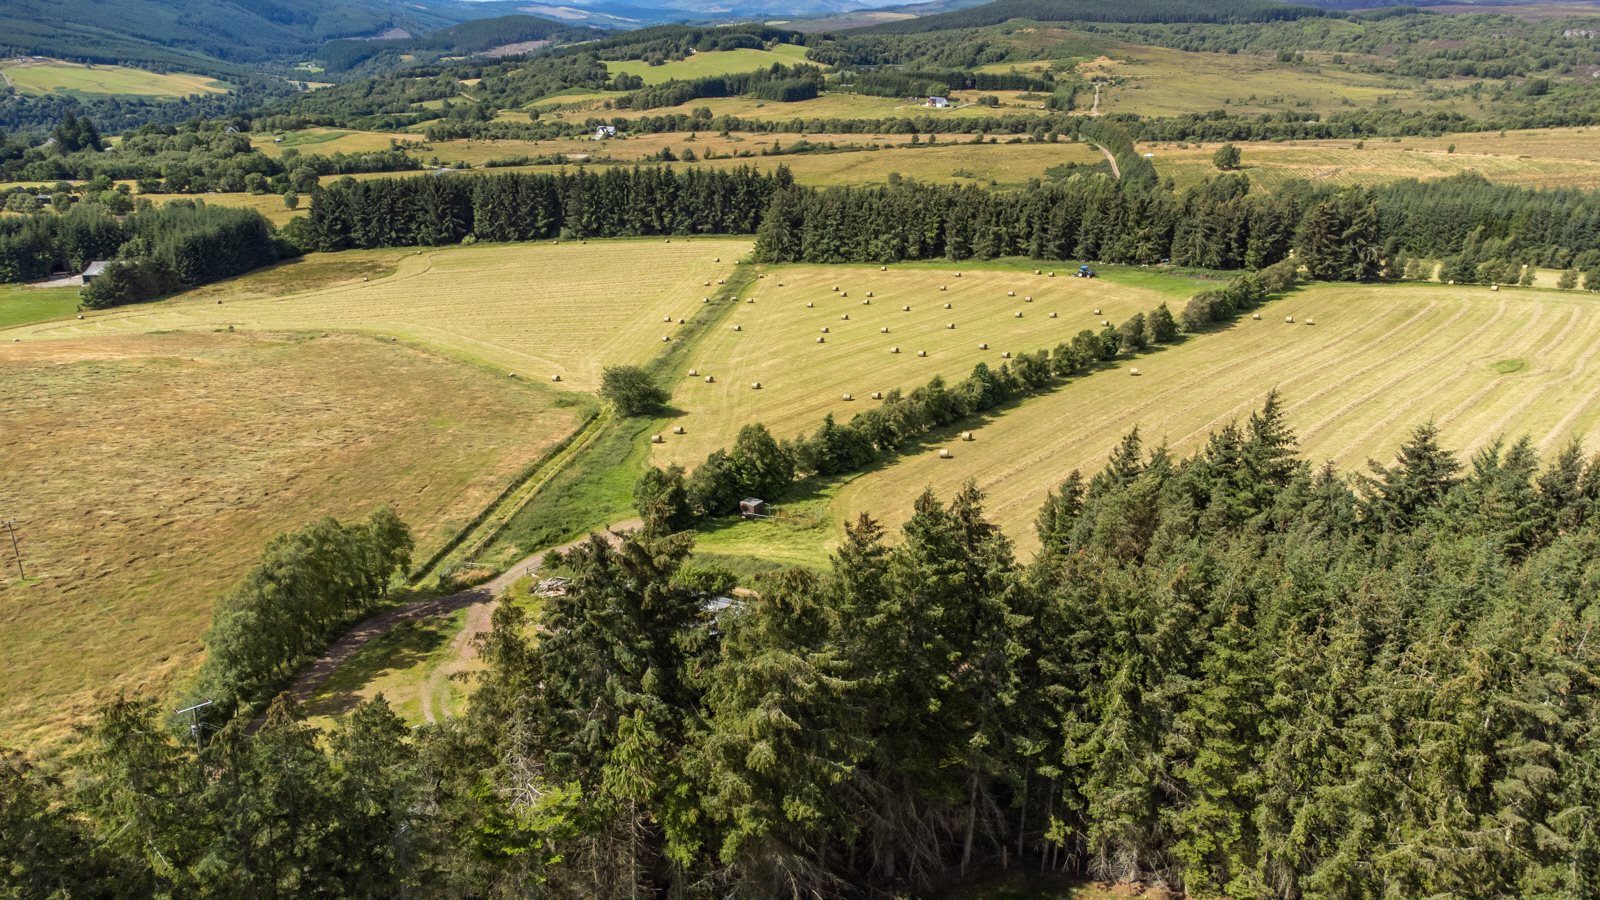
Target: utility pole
[(194, 719), (11, 529)]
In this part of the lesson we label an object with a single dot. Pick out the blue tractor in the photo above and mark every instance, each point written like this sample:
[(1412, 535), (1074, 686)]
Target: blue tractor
[(1085, 272)]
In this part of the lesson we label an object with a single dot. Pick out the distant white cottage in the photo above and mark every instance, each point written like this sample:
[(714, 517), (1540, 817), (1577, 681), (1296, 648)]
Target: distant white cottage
[(605, 131), (939, 102)]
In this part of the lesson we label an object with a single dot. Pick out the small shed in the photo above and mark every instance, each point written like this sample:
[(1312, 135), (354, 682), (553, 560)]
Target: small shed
[(95, 270), (605, 131), (939, 102), (752, 508)]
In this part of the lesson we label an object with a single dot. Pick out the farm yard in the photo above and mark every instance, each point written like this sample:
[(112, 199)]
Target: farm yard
[(54, 76), (774, 339), (1378, 361), (126, 549), (536, 310)]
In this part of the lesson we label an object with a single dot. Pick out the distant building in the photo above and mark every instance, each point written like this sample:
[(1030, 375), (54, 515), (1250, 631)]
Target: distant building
[(231, 129), (939, 102), (605, 131), (95, 270), (752, 507)]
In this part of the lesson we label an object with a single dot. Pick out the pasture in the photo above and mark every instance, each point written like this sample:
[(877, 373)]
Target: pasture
[(21, 305), (1378, 361), (1546, 158), (147, 471), (54, 76), (828, 105), (535, 310), (802, 380), (325, 141), (705, 65)]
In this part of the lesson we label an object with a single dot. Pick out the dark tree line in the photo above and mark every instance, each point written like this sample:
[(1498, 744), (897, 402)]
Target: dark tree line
[(1236, 674), (517, 207)]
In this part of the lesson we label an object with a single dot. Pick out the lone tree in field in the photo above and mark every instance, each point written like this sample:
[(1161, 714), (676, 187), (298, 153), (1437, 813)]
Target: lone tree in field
[(630, 389), (1226, 158)]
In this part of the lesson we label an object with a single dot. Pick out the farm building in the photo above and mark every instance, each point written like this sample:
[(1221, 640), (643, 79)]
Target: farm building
[(939, 102), (605, 131), (752, 507), (95, 270)]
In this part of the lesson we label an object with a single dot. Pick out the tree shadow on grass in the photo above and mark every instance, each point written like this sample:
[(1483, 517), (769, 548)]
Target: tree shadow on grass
[(404, 646)]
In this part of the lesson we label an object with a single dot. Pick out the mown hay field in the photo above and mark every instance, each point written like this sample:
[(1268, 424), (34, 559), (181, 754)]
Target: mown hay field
[(147, 471), (535, 310), (1378, 361), (802, 380), (1554, 158), (55, 76), (325, 141), (714, 62), (829, 105)]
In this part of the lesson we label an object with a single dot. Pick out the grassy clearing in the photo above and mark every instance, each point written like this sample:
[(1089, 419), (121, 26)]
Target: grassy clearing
[(21, 305), (85, 80), (325, 141), (802, 381), (1379, 360), (1566, 158), (131, 528), (704, 65), (536, 310), (269, 205)]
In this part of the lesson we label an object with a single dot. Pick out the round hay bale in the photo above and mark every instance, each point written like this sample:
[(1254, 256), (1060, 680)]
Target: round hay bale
[(836, 289), (80, 315), (966, 435), (944, 287), (847, 397), (1028, 299), (1052, 274), (821, 339), (845, 317), (1019, 314), (1288, 320), (1011, 293), (958, 274), (1133, 371), (657, 439), (711, 379), (755, 385), (555, 377), (511, 374), (738, 328), (1257, 317), (877, 395), (722, 281), (719, 259), (922, 353), (824, 329), (866, 303), (752, 300), (810, 305), (883, 268), (666, 318), (905, 309), (708, 284), (680, 321), (951, 326), (984, 345), (869, 293), (947, 306), (705, 299), (1097, 310), (844, 293), (219, 302), (1052, 315), (944, 454), (894, 349), (1492, 287), (1035, 271), (665, 338), (694, 373), (1310, 321), (677, 429), (883, 330), (1006, 355), (780, 284)]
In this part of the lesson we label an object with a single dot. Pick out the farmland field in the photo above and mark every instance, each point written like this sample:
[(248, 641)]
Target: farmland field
[(326, 141), (829, 105), (802, 381), (146, 472), (1379, 360), (59, 77), (1548, 158), (21, 305), (516, 307), (715, 62)]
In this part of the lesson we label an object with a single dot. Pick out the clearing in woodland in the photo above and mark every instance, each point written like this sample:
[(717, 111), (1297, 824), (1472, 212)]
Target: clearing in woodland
[(147, 471), (54, 76), (773, 340), (1379, 360), (533, 310)]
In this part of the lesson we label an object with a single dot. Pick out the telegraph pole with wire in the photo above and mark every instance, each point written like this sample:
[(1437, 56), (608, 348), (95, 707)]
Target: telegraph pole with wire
[(11, 529), (195, 728)]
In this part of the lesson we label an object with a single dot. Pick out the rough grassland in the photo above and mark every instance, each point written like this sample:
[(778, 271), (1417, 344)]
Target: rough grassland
[(802, 380), (536, 310), (1565, 158), (57, 77), (1379, 360), (716, 62), (146, 472)]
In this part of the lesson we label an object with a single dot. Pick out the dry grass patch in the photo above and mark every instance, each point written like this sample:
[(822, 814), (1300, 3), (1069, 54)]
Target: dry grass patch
[(533, 309), (146, 472), (54, 76), (1379, 360)]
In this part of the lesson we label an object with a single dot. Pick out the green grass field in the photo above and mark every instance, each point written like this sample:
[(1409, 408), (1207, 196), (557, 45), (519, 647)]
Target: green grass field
[(802, 380), (21, 305), (132, 525), (325, 141), (536, 310), (704, 65), (81, 79), (1379, 360)]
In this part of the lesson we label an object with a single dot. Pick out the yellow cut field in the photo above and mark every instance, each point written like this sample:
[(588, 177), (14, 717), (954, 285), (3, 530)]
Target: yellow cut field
[(54, 76), (715, 62), (146, 472), (1378, 361), (535, 310), (802, 380)]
